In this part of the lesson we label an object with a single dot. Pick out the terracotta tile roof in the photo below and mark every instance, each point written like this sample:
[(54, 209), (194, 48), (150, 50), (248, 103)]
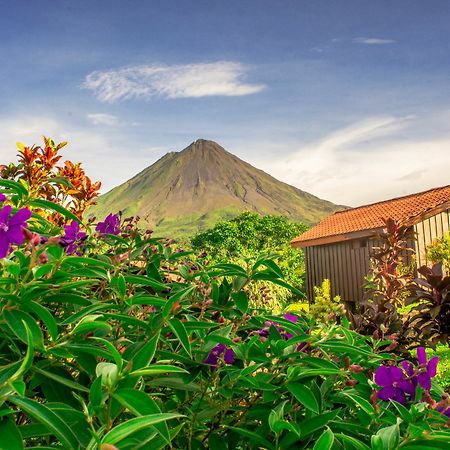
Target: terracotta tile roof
[(408, 209)]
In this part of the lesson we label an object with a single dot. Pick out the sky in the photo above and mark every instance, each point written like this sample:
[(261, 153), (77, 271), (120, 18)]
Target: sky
[(346, 99)]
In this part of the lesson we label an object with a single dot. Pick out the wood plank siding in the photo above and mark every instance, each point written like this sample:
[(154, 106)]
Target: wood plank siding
[(427, 231), (345, 264)]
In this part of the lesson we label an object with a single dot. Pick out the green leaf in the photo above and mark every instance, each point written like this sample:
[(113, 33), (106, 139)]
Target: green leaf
[(141, 404), (45, 204), (66, 381), (10, 437), (18, 188), (351, 440), (128, 427), (390, 436), (254, 438), (47, 417), (181, 333), (241, 301), (359, 401), (316, 423), (19, 322), (325, 441), (304, 396), (143, 357), (156, 369), (47, 318)]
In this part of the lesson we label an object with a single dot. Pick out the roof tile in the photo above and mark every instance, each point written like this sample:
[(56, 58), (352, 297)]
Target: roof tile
[(368, 217)]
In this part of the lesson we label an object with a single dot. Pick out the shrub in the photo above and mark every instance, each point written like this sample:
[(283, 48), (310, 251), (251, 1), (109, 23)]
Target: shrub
[(113, 340), (439, 251), (326, 309)]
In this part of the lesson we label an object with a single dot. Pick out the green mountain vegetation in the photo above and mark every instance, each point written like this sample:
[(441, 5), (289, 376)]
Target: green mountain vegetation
[(189, 191)]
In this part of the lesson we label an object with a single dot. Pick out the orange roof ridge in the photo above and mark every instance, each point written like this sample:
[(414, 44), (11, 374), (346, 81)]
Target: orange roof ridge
[(393, 199), (340, 225)]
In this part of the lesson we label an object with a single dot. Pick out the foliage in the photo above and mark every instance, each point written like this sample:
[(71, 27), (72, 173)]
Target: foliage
[(326, 309), (127, 344), (439, 251), (388, 284), (249, 235), (429, 320), (43, 180)]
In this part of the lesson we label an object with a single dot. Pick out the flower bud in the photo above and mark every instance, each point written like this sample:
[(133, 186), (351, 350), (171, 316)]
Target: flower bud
[(355, 368), (43, 258)]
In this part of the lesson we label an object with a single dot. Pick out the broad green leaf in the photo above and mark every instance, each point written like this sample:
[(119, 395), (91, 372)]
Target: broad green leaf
[(156, 369), (66, 381), (304, 395), (18, 188), (390, 436), (10, 437), (180, 332), (325, 441), (19, 321), (241, 301), (359, 401), (254, 438), (316, 423), (47, 318), (128, 427), (356, 443), (141, 404), (47, 417), (143, 357), (46, 204)]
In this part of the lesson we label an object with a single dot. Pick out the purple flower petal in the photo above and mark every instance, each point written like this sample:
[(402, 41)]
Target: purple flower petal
[(229, 356), (408, 387), (20, 217), (387, 375), (421, 356), (4, 245), (408, 367), (425, 380), (15, 235), (432, 366), (291, 317), (2, 197), (5, 213)]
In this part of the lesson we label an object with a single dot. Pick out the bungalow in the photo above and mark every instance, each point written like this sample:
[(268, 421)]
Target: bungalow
[(339, 247)]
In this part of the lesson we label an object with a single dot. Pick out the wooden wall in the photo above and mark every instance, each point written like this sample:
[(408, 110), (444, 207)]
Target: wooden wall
[(427, 231), (345, 264)]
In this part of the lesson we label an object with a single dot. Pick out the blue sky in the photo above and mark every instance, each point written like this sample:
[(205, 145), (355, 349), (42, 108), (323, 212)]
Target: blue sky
[(348, 100)]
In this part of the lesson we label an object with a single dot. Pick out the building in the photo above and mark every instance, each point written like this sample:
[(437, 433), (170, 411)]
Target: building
[(339, 247)]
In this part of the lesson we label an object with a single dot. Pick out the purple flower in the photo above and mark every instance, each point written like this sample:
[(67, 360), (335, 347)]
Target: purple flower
[(2, 197), (111, 225), (444, 411), (427, 370), (291, 317), (393, 385), (264, 332), (215, 354), (73, 238), (11, 228)]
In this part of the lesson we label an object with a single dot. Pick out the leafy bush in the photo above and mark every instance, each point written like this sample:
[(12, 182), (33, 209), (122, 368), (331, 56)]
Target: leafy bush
[(326, 309), (248, 235), (112, 340), (439, 251), (388, 285)]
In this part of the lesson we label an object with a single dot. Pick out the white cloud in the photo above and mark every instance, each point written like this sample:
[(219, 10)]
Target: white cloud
[(369, 161), (222, 78), (373, 41), (102, 119), (101, 154)]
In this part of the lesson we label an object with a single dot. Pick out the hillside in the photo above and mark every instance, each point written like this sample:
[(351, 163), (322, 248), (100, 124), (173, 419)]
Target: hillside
[(187, 191)]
